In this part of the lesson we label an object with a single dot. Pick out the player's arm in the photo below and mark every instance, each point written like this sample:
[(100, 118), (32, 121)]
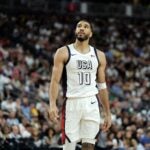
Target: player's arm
[(103, 92), (59, 60)]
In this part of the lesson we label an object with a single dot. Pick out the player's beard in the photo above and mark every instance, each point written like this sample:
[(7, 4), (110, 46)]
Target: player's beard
[(82, 38)]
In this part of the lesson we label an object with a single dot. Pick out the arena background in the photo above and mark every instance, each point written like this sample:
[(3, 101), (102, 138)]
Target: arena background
[(30, 33)]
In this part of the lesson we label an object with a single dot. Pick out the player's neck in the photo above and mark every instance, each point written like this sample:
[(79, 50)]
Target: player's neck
[(81, 46)]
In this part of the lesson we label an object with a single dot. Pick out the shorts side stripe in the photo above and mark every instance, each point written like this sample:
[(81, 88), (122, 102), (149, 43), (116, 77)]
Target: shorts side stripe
[(64, 136)]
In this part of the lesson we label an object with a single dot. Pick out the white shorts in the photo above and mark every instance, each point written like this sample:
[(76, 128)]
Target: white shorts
[(81, 119)]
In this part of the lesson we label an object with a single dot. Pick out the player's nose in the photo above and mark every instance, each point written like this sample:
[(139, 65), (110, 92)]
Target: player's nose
[(81, 29)]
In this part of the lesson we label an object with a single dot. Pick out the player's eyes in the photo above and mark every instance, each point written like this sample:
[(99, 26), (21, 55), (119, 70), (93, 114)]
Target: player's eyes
[(79, 26), (86, 26)]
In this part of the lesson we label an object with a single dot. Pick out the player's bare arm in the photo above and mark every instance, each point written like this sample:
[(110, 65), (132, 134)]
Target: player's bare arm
[(60, 58), (103, 93)]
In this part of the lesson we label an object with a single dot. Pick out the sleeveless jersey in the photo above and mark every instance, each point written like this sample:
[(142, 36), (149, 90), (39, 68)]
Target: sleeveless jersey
[(81, 72)]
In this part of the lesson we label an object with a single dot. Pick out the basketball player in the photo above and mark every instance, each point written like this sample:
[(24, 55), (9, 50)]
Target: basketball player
[(85, 79)]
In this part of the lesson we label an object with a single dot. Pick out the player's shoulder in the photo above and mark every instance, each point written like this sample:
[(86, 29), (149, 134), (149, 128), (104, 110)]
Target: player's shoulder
[(101, 56), (100, 53), (62, 53), (62, 49)]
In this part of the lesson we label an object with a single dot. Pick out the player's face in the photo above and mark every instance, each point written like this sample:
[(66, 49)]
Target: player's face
[(83, 31)]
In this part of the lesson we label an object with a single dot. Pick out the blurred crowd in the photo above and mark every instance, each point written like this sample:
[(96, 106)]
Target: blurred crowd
[(27, 46)]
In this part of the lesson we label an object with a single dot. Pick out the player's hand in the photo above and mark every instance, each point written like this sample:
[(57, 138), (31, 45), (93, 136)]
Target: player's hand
[(53, 113), (107, 122)]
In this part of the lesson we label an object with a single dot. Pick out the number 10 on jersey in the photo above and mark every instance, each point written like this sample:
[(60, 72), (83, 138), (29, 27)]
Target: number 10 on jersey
[(84, 78)]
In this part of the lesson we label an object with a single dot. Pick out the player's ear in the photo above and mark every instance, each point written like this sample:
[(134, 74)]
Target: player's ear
[(91, 34), (75, 32)]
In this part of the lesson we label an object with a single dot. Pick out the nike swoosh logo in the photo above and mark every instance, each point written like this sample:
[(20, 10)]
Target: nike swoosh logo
[(73, 54), (92, 55), (93, 102)]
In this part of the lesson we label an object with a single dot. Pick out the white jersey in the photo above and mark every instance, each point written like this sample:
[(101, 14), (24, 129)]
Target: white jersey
[(81, 73)]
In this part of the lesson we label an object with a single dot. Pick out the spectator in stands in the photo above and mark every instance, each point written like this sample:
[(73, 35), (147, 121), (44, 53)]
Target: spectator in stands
[(9, 105), (6, 130), (4, 80), (145, 139), (129, 141), (12, 119), (25, 108), (49, 136), (37, 140), (15, 132)]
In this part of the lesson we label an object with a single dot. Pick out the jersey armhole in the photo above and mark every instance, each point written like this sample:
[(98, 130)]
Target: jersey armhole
[(69, 54), (95, 50)]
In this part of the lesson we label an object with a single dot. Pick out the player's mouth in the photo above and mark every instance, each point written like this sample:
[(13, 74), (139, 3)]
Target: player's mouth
[(81, 33)]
